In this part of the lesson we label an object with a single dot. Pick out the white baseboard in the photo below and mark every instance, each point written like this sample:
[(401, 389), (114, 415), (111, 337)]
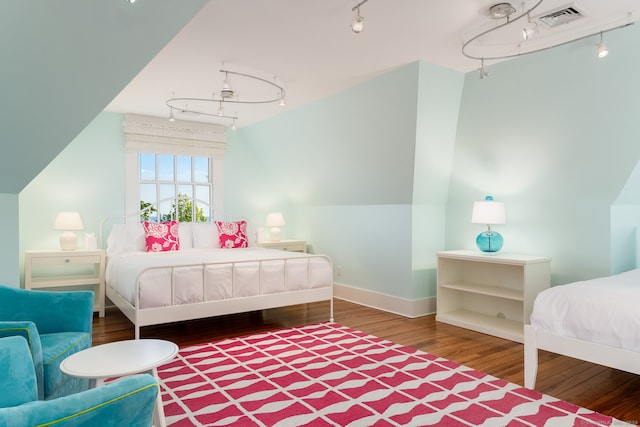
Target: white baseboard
[(402, 306)]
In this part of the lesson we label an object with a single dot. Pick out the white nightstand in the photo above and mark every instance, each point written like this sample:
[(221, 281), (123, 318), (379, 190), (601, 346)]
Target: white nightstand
[(285, 245), (492, 294), (51, 269)]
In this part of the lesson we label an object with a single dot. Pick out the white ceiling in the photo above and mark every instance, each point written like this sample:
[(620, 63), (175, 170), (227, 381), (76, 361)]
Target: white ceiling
[(309, 48)]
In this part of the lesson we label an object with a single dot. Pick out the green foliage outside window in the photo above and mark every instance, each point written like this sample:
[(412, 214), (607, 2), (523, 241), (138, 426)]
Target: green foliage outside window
[(182, 211)]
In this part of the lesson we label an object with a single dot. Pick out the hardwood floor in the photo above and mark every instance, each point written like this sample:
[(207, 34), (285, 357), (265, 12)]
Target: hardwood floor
[(605, 390)]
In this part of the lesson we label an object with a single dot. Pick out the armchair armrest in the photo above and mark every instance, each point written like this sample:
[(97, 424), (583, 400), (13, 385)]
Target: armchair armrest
[(50, 311), (129, 401), (29, 331), (18, 381)]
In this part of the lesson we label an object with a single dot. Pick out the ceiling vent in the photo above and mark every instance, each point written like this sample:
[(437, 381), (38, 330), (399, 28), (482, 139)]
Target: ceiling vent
[(561, 16)]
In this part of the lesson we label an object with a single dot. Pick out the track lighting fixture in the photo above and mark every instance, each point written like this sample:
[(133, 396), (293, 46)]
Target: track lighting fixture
[(215, 106), (357, 24), (508, 13), (602, 48)]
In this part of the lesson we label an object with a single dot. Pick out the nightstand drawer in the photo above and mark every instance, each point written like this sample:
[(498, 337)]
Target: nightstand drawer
[(285, 245), (61, 260)]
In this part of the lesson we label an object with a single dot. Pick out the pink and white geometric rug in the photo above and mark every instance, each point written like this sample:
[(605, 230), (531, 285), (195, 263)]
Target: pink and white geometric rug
[(330, 375)]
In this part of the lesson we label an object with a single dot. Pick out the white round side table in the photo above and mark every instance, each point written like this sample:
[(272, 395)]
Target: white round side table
[(122, 358)]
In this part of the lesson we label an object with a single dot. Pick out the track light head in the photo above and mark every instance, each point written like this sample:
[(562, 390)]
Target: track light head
[(357, 25), (602, 48), (530, 29), (481, 71)]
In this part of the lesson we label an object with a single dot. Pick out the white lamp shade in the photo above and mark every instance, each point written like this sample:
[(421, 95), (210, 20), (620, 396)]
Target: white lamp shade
[(488, 212), (68, 221), (275, 219)]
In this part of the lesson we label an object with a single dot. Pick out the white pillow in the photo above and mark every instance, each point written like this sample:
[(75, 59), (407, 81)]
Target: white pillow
[(185, 234), (205, 235), (126, 238)]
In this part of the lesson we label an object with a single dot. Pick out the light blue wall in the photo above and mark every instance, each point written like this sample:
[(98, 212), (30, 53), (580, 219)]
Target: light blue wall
[(439, 96), (88, 176), (555, 135), (343, 171), (9, 254)]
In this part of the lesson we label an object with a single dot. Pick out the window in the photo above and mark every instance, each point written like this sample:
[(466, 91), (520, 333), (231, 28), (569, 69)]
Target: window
[(165, 160), (165, 177)]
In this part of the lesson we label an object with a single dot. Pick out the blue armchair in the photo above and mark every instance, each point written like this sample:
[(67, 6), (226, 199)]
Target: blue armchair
[(55, 325), (126, 402)]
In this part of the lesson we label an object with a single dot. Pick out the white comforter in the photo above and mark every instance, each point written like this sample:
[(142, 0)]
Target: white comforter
[(208, 274), (604, 310)]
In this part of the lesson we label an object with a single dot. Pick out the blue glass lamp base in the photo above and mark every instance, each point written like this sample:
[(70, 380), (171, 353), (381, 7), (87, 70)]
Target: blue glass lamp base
[(489, 241)]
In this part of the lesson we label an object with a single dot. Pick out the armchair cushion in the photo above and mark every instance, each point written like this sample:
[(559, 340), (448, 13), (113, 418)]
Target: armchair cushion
[(55, 348), (18, 385)]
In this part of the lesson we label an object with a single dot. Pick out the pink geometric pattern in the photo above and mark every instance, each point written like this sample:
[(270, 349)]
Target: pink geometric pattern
[(330, 375)]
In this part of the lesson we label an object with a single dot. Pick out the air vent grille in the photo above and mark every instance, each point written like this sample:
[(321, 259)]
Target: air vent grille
[(561, 16)]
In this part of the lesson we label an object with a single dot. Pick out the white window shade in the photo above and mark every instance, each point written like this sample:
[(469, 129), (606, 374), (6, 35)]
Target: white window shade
[(158, 135)]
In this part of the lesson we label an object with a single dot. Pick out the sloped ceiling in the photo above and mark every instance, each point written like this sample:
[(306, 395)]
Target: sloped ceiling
[(310, 47), (63, 61)]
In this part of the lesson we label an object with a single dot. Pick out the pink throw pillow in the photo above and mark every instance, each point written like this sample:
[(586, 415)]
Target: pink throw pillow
[(161, 236), (233, 234)]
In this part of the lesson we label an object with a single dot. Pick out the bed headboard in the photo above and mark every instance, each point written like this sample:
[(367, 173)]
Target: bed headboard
[(181, 208)]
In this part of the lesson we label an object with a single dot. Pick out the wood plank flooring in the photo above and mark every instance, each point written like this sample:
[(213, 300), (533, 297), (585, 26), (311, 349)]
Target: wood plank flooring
[(605, 390)]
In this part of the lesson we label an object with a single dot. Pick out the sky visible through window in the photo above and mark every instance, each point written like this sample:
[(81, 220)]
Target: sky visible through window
[(164, 176)]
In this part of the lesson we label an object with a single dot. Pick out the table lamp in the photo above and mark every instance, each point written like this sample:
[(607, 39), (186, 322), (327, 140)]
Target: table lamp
[(489, 212), (275, 220), (69, 223)]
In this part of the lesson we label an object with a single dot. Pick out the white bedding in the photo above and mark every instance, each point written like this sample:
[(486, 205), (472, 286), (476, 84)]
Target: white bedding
[(207, 274), (603, 310)]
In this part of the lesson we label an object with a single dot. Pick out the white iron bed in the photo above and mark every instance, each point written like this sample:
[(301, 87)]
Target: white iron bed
[(202, 280), (594, 320)]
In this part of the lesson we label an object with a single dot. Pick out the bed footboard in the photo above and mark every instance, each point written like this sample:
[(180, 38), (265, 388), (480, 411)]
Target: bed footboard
[(303, 280)]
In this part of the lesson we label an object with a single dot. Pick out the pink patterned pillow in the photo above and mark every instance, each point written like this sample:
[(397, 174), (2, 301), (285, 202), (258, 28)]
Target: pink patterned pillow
[(161, 236), (233, 234)]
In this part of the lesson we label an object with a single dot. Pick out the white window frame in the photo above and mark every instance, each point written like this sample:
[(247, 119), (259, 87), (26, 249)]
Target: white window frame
[(144, 134)]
